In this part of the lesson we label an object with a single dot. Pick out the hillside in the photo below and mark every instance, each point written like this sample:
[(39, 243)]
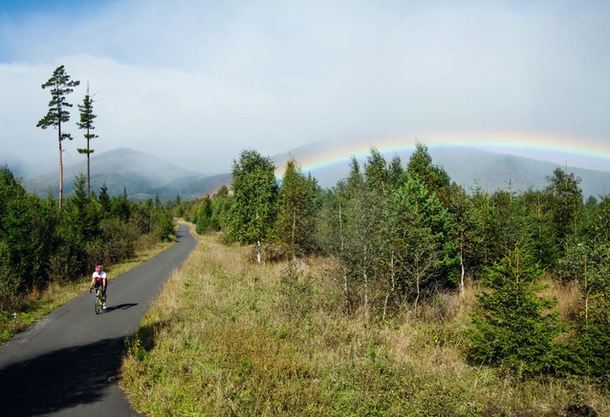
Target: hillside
[(145, 176), (141, 174), (227, 334), (468, 167)]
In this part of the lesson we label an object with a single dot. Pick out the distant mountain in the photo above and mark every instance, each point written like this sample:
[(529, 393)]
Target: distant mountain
[(493, 171), (142, 175), (468, 167)]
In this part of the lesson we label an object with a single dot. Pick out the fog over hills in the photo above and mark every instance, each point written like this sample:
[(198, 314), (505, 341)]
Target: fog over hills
[(145, 176), (140, 174)]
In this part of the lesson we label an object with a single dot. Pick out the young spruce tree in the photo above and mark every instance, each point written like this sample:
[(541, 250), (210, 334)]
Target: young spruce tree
[(513, 327)]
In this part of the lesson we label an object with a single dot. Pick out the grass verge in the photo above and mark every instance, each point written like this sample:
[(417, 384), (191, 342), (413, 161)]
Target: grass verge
[(231, 338)]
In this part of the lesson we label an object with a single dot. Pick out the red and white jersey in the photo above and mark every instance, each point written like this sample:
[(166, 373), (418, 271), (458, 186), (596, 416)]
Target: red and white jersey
[(99, 275)]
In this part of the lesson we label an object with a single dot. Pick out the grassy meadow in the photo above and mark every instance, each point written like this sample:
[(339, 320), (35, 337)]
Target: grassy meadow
[(229, 337)]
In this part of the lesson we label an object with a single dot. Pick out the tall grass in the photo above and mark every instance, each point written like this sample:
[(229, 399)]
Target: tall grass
[(231, 338)]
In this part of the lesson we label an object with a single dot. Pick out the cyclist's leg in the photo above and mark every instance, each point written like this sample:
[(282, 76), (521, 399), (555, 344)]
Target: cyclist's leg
[(104, 286)]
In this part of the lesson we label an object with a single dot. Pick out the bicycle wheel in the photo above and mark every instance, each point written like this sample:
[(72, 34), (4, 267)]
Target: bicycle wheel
[(98, 302)]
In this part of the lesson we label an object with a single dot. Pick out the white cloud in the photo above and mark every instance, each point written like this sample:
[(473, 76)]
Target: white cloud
[(195, 82)]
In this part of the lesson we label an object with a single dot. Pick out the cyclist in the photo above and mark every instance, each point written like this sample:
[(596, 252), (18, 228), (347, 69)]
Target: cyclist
[(98, 279)]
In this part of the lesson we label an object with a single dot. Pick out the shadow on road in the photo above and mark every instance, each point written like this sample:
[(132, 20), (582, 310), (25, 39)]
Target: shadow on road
[(59, 380), (121, 307)]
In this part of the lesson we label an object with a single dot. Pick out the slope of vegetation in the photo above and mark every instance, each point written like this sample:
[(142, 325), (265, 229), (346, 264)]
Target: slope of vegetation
[(231, 337), (396, 292), (45, 251)]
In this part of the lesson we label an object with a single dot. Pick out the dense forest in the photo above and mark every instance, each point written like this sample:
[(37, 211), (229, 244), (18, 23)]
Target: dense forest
[(41, 243), (401, 235)]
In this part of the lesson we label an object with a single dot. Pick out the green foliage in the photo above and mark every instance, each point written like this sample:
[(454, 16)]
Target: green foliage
[(230, 338), (466, 228), (539, 228), (253, 211), (87, 118), (86, 123), (295, 222), (360, 221), (81, 214), (105, 202), (117, 243), (204, 219), (164, 228), (513, 327), (120, 207), (435, 178), (589, 348), (10, 280), (565, 204), (586, 261), (61, 85), (423, 249), (40, 244), (26, 235)]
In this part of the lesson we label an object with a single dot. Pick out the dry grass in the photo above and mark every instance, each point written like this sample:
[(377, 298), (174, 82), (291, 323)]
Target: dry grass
[(231, 338)]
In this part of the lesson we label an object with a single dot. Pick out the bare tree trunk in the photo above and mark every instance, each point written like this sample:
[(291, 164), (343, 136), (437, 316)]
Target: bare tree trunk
[(366, 282), (462, 290), (418, 290), (293, 243), (88, 169), (345, 287), (61, 170), (391, 287)]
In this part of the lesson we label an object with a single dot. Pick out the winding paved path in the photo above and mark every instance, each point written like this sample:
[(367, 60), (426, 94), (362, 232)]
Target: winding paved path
[(68, 363)]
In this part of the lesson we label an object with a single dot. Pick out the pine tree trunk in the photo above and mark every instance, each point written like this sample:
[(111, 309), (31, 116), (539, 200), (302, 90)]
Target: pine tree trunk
[(61, 171), (88, 167), (345, 287)]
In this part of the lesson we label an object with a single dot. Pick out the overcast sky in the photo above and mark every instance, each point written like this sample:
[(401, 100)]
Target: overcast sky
[(195, 82)]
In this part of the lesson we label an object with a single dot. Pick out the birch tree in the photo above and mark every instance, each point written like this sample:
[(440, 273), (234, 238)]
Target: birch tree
[(253, 211), (421, 241)]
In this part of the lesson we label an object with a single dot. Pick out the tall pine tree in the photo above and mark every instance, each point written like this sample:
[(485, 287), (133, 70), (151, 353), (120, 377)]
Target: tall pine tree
[(86, 123), (61, 85)]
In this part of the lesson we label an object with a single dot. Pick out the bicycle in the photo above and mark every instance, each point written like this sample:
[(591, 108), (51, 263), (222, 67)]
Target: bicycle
[(98, 302)]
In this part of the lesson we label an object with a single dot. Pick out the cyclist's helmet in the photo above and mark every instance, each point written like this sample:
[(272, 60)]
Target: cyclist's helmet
[(98, 268)]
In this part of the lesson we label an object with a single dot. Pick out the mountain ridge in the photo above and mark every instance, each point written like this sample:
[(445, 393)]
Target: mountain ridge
[(467, 166), (145, 176), (140, 174)]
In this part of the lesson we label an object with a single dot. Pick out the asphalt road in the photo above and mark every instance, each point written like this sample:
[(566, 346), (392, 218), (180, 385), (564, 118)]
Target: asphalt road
[(68, 363)]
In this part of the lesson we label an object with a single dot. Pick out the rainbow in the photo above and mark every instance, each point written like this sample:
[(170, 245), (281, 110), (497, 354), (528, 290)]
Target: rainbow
[(582, 152)]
